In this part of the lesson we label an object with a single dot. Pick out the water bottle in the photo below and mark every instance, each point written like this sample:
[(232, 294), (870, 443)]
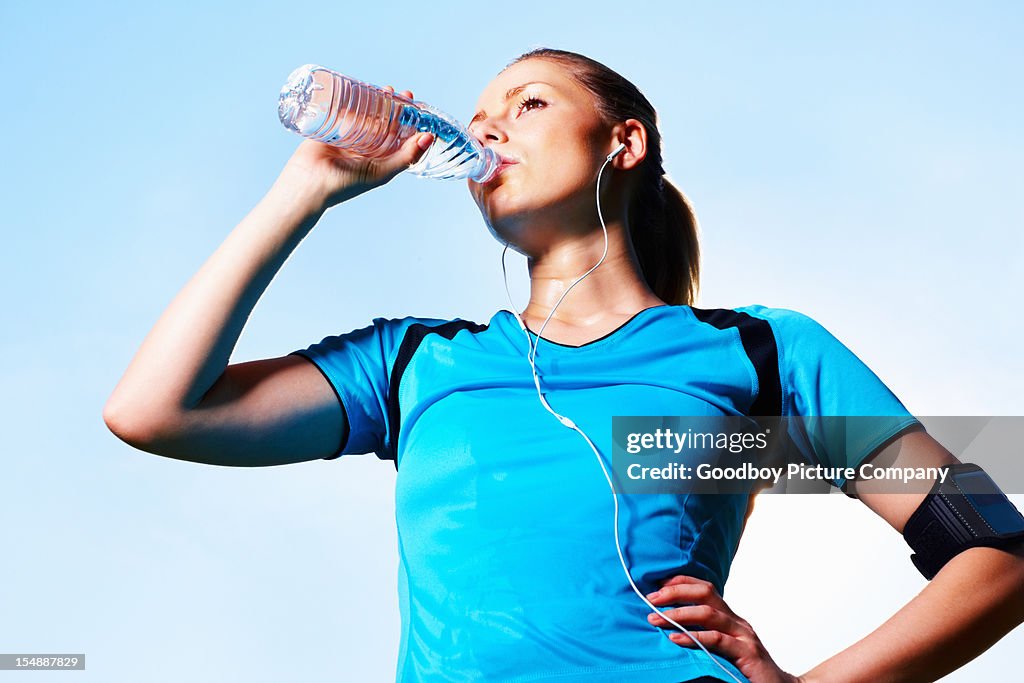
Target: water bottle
[(329, 107)]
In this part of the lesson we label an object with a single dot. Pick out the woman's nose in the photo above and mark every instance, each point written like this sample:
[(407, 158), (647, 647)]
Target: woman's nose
[(485, 132)]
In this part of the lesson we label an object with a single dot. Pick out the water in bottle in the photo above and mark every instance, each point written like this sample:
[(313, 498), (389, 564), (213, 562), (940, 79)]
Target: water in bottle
[(329, 107)]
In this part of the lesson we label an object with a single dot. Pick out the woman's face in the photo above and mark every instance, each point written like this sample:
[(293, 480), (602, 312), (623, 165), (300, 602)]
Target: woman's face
[(549, 127)]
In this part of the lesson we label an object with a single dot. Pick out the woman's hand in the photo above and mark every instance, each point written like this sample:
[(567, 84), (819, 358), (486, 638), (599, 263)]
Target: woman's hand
[(725, 634), (340, 175)]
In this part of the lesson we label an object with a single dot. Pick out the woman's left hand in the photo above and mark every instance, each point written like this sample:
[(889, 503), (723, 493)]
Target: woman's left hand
[(725, 633)]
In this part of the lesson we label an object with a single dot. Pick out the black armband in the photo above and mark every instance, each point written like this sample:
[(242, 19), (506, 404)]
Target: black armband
[(965, 511)]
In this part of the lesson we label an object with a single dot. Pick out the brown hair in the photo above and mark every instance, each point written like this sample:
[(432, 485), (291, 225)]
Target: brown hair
[(663, 225)]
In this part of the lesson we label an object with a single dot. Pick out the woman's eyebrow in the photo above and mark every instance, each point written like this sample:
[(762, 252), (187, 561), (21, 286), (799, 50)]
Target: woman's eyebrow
[(512, 92)]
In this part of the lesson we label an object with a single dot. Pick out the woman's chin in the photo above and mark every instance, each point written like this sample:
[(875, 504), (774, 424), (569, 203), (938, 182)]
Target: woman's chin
[(502, 205)]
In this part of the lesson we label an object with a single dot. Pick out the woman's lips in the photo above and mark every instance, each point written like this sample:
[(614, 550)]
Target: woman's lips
[(504, 163)]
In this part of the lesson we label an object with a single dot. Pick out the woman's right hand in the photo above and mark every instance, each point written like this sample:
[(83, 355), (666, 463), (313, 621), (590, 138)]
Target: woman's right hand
[(341, 175)]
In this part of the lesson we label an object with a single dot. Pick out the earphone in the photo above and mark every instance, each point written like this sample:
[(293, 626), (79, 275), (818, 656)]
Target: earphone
[(572, 425)]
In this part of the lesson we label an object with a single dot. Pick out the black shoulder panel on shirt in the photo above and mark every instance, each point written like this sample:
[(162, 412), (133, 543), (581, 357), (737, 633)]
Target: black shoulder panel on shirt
[(414, 336), (759, 344)]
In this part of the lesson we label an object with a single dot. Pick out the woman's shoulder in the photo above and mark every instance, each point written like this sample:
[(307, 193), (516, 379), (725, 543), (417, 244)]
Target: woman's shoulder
[(774, 313), (411, 319), (397, 327), (798, 334), (791, 328), (781, 320)]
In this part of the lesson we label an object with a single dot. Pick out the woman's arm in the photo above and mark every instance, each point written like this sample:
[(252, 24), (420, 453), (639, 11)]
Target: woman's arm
[(180, 398), (188, 348), (976, 599)]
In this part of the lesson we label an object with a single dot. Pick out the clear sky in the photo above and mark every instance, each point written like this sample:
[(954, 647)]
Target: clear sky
[(859, 164)]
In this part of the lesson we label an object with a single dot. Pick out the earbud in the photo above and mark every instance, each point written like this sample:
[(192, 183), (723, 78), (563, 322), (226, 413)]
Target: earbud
[(618, 149)]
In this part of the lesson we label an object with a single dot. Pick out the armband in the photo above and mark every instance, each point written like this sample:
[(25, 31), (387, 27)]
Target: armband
[(965, 511)]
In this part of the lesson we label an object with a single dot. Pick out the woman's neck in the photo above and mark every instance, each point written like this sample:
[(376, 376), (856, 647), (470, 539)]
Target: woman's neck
[(614, 290)]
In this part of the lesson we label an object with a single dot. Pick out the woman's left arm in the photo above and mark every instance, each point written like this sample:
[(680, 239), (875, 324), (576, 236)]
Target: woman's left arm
[(973, 601), (976, 599)]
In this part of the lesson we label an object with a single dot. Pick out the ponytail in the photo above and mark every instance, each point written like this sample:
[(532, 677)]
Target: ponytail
[(664, 232)]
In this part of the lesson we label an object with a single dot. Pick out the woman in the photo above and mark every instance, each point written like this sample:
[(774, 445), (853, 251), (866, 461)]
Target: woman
[(508, 570)]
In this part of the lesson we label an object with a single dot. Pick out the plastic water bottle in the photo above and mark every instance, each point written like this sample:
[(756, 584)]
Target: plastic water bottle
[(329, 107)]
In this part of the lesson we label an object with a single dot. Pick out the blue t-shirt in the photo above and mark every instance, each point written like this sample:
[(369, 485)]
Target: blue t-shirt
[(508, 569)]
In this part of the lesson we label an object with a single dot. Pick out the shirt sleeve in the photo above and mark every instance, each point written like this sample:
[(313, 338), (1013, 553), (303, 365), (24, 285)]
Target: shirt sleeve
[(823, 378), (357, 365)]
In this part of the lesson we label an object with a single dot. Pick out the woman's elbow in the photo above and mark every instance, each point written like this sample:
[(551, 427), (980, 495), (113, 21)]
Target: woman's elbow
[(130, 424)]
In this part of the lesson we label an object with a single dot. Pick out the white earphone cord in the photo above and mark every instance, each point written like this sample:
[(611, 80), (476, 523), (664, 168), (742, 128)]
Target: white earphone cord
[(572, 425)]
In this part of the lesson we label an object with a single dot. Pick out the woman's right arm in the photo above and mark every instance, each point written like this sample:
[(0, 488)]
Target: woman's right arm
[(179, 397)]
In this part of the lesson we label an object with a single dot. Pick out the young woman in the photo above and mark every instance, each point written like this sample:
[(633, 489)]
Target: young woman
[(508, 566)]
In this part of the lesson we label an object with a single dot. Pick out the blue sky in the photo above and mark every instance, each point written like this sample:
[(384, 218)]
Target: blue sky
[(860, 165)]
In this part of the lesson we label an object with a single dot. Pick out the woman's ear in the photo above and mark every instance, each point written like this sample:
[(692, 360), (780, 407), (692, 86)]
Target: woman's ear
[(632, 134)]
